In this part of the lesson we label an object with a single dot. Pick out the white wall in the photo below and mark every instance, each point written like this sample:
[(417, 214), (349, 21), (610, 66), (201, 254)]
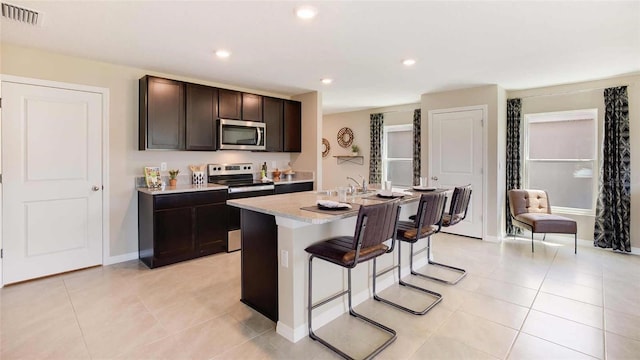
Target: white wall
[(125, 161), (335, 174)]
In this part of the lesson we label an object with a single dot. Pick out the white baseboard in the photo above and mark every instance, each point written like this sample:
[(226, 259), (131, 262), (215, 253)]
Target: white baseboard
[(119, 258), (493, 239)]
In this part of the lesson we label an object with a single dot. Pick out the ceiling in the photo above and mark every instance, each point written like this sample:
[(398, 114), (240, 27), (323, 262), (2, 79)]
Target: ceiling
[(360, 44)]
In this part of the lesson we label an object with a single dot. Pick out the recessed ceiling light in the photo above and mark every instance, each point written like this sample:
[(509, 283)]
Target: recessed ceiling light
[(223, 54), (326, 81), (306, 12), (408, 62)]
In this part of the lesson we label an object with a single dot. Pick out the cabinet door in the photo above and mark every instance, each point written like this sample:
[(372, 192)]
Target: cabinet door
[(229, 104), (291, 188), (211, 229), (292, 126), (202, 107), (173, 231), (161, 114), (251, 107), (273, 119)]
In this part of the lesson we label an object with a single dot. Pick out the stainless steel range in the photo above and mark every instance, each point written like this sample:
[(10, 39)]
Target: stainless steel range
[(239, 179)]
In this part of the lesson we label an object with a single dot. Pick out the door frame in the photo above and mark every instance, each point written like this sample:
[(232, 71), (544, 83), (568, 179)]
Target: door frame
[(104, 92), (485, 136)]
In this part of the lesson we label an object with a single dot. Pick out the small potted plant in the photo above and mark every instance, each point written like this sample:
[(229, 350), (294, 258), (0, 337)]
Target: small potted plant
[(173, 177), (355, 150)]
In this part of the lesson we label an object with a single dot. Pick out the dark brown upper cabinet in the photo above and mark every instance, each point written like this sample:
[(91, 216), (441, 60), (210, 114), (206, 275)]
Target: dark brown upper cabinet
[(273, 118), (201, 116), (292, 126), (251, 107), (229, 104), (161, 113)]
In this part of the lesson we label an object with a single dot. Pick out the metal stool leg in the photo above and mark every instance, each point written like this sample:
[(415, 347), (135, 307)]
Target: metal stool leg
[(352, 312), (462, 272), (437, 296)]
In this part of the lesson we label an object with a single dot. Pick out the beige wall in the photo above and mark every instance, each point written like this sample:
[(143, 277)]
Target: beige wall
[(335, 174), (590, 95), (494, 186), (125, 161)]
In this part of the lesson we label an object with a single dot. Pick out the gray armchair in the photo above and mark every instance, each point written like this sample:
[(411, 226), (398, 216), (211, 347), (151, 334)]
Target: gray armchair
[(530, 210)]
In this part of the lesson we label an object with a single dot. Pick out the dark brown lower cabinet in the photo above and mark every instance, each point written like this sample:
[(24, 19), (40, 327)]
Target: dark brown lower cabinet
[(178, 227), (259, 276), (295, 187)]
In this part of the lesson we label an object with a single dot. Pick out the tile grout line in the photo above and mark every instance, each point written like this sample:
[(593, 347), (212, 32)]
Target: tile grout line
[(555, 255), (75, 315)]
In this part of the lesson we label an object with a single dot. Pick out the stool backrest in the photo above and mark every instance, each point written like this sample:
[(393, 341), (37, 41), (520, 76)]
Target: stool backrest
[(430, 210), (376, 224), (460, 203)]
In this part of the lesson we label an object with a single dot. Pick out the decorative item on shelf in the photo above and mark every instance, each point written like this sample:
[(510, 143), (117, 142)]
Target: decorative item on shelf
[(345, 137), (152, 177), (276, 175), (325, 147), (355, 150), (173, 177), (197, 174)]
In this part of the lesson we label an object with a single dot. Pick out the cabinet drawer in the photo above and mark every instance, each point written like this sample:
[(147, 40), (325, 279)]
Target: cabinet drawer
[(169, 201)]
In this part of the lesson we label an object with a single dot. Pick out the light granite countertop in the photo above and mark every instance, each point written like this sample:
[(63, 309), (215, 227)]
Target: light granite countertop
[(289, 205), (181, 188)]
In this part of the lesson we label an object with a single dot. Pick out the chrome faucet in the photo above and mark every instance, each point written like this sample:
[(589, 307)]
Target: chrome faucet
[(364, 184)]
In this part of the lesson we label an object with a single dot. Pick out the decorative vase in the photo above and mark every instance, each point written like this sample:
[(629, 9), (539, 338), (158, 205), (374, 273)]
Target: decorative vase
[(354, 153), (173, 182)]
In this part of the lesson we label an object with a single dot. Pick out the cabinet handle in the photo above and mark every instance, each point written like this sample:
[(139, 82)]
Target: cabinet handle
[(434, 178)]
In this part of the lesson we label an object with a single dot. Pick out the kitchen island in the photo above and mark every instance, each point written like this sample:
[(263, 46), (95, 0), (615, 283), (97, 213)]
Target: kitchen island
[(275, 232)]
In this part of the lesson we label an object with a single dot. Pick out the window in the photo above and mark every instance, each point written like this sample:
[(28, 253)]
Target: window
[(560, 157), (397, 155)]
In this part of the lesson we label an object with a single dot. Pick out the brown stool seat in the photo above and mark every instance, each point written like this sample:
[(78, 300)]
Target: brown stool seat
[(408, 232), (339, 250)]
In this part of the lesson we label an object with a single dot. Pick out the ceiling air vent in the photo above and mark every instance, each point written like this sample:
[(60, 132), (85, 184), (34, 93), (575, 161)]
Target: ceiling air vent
[(21, 14)]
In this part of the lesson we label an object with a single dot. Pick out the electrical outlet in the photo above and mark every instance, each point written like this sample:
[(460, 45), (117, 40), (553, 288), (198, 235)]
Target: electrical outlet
[(284, 258), (163, 166)]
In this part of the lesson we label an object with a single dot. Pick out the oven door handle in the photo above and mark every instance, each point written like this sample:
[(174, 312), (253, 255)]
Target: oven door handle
[(241, 189)]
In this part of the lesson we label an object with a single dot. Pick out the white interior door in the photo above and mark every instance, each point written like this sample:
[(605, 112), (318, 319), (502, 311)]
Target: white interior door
[(52, 180), (456, 158)]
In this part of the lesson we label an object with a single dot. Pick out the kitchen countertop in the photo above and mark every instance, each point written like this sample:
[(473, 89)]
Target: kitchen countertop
[(289, 205), (181, 188)]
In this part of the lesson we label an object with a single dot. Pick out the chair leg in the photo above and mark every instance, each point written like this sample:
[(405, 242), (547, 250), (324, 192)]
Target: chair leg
[(575, 243), (544, 236), (315, 337), (462, 272), (532, 241), (437, 296)]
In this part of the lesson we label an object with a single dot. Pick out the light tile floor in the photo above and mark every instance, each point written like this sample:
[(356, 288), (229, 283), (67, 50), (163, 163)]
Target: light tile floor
[(514, 304)]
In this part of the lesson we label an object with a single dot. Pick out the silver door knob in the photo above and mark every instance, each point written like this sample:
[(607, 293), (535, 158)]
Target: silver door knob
[(95, 188), (434, 178)]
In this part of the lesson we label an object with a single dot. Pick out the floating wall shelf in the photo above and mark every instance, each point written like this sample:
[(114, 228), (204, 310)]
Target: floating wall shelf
[(357, 159)]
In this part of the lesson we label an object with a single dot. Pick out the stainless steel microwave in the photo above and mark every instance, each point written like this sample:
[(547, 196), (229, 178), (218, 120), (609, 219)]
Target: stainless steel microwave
[(241, 135)]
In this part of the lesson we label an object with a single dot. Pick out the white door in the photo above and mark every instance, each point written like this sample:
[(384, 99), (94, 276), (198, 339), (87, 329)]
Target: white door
[(52, 180), (456, 158)]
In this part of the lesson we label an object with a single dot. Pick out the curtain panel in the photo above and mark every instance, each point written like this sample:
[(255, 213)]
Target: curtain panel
[(375, 161), (513, 162), (417, 117), (613, 214)]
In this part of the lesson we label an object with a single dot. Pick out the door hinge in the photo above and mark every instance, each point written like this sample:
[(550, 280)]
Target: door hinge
[(1, 253), (481, 122), (0, 178)]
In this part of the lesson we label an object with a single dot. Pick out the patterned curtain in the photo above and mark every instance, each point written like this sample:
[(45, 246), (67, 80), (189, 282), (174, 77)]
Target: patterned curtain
[(613, 214), (375, 162), (416, 146), (514, 108)]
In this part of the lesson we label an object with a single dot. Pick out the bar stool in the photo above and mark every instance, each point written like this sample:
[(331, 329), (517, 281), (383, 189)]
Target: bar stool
[(457, 212), (428, 222), (375, 225)]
